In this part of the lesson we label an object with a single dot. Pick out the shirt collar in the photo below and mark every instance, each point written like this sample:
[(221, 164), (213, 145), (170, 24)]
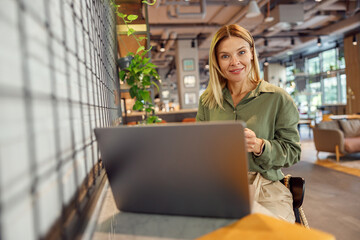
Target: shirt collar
[(262, 87)]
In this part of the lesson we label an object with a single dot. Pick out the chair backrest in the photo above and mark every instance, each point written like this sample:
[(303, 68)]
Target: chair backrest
[(189, 120), (297, 188), (326, 117)]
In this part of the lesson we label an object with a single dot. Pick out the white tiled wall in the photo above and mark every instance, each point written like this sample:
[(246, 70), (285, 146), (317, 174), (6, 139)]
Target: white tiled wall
[(49, 104)]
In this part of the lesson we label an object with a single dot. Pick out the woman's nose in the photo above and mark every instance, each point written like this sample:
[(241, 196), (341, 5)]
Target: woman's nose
[(234, 60)]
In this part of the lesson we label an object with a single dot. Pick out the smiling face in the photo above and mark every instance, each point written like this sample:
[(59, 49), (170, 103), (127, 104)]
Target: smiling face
[(234, 57)]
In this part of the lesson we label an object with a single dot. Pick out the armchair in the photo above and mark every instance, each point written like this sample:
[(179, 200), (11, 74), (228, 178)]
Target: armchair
[(337, 136)]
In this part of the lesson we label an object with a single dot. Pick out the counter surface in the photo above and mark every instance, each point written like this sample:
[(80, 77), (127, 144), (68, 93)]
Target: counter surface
[(113, 224)]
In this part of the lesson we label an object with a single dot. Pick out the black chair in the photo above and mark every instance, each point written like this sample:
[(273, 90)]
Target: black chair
[(296, 186)]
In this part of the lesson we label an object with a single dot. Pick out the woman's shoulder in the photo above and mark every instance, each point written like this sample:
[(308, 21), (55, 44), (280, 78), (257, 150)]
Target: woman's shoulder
[(269, 87)]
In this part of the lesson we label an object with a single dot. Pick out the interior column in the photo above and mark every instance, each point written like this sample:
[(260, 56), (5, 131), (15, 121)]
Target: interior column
[(187, 71)]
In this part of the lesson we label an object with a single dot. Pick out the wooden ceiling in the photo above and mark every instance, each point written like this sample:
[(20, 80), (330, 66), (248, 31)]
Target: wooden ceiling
[(330, 20)]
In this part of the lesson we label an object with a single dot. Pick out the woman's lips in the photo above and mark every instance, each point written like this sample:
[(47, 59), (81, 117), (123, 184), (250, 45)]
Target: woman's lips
[(236, 71)]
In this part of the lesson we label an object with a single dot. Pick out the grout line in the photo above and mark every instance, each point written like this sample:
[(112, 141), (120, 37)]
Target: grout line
[(91, 226)]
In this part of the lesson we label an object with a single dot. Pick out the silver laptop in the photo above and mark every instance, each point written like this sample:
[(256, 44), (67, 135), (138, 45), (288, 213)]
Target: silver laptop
[(191, 169)]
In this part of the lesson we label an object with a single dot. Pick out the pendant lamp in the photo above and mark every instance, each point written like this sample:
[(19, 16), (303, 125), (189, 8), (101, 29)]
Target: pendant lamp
[(253, 10)]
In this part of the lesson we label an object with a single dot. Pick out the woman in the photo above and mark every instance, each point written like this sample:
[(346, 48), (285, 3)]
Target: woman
[(236, 92)]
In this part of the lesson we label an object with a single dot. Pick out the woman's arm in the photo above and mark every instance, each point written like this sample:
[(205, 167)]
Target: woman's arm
[(200, 116), (284, 150)]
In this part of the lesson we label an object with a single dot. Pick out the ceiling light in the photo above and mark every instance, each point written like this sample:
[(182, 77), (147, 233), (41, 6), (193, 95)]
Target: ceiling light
[(354, 40), (253, 10), (317, 0), (266, 63), (268, 17), (162, 47), (319, 41)]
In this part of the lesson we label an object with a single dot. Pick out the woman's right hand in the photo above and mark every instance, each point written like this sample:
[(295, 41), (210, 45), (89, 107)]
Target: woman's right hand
[(252, 143)]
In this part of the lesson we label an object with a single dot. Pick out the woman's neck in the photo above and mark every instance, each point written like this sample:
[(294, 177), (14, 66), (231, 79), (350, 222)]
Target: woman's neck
[(240, 88)]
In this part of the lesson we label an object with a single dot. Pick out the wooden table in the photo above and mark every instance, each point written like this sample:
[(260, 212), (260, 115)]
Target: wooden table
[(346, 116), (113, 224)]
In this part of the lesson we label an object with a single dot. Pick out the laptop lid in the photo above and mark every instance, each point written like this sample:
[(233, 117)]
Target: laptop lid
[(192, 169)]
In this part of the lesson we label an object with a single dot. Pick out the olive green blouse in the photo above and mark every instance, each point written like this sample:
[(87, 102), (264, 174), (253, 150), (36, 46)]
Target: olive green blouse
[(271, 113)]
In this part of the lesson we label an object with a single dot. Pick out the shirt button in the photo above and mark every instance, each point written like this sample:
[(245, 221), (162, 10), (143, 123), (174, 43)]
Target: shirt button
[(234, 111)]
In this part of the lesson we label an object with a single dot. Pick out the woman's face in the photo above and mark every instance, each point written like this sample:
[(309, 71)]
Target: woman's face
[(234, 56)]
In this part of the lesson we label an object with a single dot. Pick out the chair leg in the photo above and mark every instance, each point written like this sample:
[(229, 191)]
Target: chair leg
[(337, 153), (317, 155)]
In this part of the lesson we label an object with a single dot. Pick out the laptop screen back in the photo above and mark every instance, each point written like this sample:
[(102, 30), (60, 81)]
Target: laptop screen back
[(193, 169)]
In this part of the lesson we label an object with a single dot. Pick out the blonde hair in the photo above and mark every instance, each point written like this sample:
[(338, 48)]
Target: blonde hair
[(212, 97)]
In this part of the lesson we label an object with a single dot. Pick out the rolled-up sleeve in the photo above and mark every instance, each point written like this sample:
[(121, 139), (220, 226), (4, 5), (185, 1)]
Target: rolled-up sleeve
[(284, 150)]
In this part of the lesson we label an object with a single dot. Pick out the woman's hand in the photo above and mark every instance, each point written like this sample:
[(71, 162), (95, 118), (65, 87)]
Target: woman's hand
[(253, 144)]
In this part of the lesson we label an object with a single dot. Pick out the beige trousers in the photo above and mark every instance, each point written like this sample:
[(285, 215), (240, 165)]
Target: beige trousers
[(274, 196)]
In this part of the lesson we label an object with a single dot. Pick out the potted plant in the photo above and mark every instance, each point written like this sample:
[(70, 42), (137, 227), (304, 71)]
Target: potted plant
[(138, 71)]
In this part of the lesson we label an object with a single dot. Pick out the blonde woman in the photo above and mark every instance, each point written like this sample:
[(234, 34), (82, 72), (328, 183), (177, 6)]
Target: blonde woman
[(236, 92)]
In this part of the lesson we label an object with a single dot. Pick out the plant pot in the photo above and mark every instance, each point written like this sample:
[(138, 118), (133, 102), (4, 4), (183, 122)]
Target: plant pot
[(124, 62)]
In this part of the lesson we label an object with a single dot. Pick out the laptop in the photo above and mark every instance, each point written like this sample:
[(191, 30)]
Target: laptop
[(189, 169)]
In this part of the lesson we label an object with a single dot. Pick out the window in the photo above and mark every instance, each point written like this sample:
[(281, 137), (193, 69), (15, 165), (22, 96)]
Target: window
[(314, 65), (289, 73), (330, 90), (341, 58), (343, 88), (290, 88), (318, 86), (329, 62), (315, 97)]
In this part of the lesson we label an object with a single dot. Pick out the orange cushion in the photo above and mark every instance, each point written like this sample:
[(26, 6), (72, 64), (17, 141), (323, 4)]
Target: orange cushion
[(352, 144)]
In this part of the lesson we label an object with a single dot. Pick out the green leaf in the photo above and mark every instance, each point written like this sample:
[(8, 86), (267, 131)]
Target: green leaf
[(144, 1), (152, 65), (130, 31), (122, 75), (158, 119), (121, 15), (151, 119), (142, 38), (133, 91), (146, 51), (146, 80), (149, 110), (147, 71), (138, 105), (140, 49), (145, 61), (146, 96), (154, 83), (132, 17), (137, 70), (130, 80)]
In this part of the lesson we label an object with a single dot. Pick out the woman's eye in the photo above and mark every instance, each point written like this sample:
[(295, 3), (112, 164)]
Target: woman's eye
[(242, 52), (224, 56)]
